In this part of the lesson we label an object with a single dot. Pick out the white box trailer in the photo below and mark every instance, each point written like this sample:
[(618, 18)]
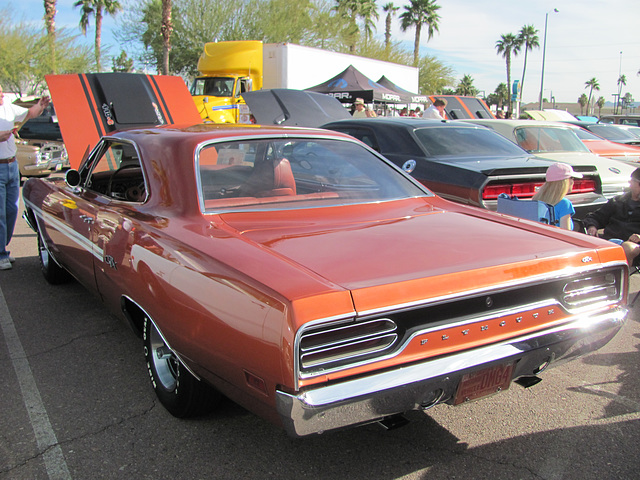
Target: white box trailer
[(286, 65)]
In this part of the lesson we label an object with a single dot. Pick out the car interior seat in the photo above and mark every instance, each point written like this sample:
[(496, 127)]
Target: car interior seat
[(269, 179)]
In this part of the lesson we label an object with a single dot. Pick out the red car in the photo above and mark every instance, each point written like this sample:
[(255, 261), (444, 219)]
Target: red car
[(299, 272), (607, 148)]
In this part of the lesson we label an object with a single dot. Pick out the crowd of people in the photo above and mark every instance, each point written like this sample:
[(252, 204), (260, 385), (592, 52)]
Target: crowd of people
[(436, 111)]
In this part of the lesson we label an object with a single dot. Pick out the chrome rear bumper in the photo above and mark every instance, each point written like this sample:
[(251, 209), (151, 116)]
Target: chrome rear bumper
[(413, 387)]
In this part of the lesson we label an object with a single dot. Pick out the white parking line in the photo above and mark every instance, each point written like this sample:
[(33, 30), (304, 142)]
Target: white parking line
[(46, 438)]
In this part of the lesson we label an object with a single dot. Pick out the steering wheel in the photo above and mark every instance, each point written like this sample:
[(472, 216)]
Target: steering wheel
[(110, 192)]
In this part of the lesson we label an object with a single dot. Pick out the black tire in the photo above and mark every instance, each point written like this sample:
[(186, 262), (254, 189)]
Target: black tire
[(52, 272), (178, 390)]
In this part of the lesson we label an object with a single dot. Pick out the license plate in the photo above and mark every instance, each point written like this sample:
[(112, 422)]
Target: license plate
[(484, 382)]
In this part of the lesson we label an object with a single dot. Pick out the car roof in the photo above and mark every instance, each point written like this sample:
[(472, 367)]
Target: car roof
[(412, 122)]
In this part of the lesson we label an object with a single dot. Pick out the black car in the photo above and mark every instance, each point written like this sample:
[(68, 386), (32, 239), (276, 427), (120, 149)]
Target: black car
[(609, 131), (44, 127), (466, 163)]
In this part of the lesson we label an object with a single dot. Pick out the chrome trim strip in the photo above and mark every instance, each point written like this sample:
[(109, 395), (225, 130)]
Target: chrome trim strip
[(80, 240), (463, 321), (565, 273), (370, 398), (426, 330)]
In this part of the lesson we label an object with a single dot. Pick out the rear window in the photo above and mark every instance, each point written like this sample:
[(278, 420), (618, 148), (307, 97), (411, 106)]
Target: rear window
[(464, 141), (295, 173), (549, 139)]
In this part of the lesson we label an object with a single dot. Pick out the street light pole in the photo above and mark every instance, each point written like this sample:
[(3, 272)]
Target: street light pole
[(544, 52)]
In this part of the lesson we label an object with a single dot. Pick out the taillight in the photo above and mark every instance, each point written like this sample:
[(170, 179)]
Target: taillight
[(528, 190), (520, 190), (583, 185)]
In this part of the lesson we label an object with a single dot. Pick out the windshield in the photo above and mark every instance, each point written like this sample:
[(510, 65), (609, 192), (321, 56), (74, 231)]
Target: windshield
[(549, 139), (611, 132), (213, 86), (586, 134), (465, 141), (295, 173)]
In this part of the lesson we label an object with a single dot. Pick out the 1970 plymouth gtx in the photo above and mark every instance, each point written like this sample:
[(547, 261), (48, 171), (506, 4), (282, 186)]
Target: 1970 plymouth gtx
[(300, 273)]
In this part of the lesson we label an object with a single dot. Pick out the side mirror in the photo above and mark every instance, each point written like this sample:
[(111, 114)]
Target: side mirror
[(72, 177)]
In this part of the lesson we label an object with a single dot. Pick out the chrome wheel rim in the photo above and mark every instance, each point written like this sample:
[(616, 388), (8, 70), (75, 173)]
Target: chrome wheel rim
[(164, 361)]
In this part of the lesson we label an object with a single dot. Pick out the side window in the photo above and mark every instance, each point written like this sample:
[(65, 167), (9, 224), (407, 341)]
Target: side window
[(117, 173), (365, 136)]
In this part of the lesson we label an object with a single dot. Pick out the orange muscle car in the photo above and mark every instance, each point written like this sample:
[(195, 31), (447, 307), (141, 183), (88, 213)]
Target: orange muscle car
[(300, 273)]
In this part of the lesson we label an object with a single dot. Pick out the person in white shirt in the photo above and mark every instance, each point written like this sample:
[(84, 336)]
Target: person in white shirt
[(9, 172), (361, 110), (436, 111)]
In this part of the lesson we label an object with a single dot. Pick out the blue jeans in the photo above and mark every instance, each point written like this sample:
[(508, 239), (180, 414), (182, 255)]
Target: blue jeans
[(9, 196)]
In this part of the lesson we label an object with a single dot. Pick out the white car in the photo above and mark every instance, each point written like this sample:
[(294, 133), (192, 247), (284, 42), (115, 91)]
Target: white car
[(558, 142)]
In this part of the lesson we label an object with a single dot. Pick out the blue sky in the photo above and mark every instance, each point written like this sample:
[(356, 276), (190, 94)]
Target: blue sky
[(584, 40)]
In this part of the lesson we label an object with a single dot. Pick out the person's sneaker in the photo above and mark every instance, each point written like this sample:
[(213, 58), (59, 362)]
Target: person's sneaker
[(12, 259), (5, 264)]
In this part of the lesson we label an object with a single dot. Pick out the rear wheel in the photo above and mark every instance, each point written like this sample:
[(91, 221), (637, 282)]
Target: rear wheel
[(178, 390), (52, 272)]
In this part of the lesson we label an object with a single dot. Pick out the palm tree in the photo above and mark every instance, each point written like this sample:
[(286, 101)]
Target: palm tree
[(528, 38), (96, 8), (390, 9), (418, 14), (600, 103), (166, 30), (50, 23), (582, 101), (621, 81), (352, 10), (466, 87), (502, 94), (591, 85), (507, 45)]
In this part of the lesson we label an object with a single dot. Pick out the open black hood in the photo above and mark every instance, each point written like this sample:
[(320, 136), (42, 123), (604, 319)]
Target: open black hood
[(281, 106)]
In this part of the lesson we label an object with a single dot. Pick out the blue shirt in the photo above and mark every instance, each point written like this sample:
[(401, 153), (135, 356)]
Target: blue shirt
[(562, 208)]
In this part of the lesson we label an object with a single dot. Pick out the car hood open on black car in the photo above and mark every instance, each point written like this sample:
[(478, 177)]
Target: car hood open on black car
[(282, 106)]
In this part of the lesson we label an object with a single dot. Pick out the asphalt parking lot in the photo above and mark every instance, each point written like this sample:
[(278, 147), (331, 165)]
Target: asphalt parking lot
[(76, 403)]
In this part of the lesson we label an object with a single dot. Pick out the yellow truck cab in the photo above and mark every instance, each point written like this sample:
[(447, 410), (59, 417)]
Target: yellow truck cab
[(228, 70)]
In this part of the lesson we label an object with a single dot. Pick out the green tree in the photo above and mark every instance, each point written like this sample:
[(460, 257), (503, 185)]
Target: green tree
[(96, 8), (591, 85), (123, 63), (433, 76), (600, 103), (582, 101), (627, 100), (508, 45), (622, 80), (326, 28), (417, 14), (25, 56), (528, 39), (390, 9), (466, 87), (500, 96), (352, 10)]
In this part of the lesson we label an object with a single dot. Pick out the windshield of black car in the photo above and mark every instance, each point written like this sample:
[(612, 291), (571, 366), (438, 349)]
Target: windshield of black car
[(465, 142), (539, 139), (288, 173)]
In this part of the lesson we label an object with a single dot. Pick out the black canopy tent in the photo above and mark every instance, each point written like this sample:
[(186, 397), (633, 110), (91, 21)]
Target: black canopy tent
[(351, 84), (407, 96)]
